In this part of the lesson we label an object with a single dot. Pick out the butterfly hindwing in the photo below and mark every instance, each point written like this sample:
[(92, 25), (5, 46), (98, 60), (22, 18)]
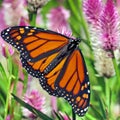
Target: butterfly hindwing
[(73, 83), (34, 43)]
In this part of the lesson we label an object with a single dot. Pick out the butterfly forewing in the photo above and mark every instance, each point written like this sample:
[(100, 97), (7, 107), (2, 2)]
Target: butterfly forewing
[(38, 67), (73, 83), (34, 43)]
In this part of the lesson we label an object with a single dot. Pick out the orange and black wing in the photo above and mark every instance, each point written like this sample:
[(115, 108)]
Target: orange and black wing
[(38, 69), (34, 43), (65, 77), (38, 48), (73, 83)]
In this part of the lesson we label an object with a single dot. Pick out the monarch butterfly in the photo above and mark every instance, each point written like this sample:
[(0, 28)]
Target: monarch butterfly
[(56, 60)]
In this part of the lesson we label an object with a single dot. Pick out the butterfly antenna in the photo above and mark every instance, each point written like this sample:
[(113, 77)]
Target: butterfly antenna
[(79, 39)]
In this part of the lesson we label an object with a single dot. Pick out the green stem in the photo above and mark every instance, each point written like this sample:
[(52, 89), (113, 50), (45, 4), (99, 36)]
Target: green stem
[(117, 83), (108, 97), (84, 23), (7, 97), (74, 10), (85, 28), (25, 81), (73, 115), (117, 72), (32, 18), (13, 91)]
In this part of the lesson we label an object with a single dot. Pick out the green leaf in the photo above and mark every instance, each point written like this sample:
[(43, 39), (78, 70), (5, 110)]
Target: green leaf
[(32, 18), (58, 116), (15, 71), (1, 118), (3, 79), (90, 117), (97, 113), (102, 108), (2, 98), (25, 81), (118, 118), (74, 10), (10, 64), (32, 109), (2, 71)]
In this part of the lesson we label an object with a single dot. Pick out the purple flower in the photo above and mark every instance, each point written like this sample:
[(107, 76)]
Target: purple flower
[(36, 100), (103, 27), (13, 11), (39, 19), (58, 17), (2, 21), (63, 30), (105, 23), (58, 21), (109, 22), (54, 103), (8, 117), (23, 22), (118, 3), (92, 10)]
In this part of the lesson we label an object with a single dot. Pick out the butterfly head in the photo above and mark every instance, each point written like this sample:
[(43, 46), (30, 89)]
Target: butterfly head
[(78, 40), (73, 43)]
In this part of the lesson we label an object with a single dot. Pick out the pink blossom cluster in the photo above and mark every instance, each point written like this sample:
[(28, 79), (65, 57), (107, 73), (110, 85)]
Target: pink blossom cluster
[(105, 17), (13, 12), (34, 99), (58, 20)]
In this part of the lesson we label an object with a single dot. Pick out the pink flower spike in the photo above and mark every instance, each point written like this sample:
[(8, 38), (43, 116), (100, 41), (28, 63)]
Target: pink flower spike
[(63, 30), (36, 100), (8, 117), (3, 50), (109, 22), (13, 11), (2, 21), (92, 10), (11, 50), (118, 3), (23, 22), (54, 103), (58, 17)]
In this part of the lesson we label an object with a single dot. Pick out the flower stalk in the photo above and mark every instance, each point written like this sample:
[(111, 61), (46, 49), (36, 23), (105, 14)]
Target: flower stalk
[(8, 96), (117, 73), (32, 18)]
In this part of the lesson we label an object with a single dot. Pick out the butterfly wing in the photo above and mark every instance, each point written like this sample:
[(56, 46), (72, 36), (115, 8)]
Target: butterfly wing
[(73, 83), (38, 69), (38, 48), (34, 43)]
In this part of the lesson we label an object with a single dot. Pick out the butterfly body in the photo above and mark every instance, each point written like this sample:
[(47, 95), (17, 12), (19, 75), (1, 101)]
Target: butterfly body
[(66, 51), (56, 60)]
